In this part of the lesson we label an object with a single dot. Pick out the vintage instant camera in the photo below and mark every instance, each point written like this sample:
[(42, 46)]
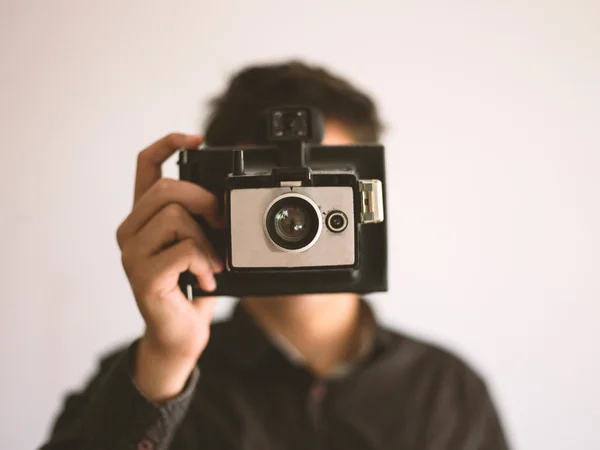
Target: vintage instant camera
[(301, 217)]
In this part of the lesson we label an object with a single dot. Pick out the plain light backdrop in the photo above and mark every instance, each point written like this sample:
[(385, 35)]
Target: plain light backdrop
[(493, 146)]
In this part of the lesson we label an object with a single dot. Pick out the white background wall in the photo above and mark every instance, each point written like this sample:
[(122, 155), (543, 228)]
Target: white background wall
[(493, 145)]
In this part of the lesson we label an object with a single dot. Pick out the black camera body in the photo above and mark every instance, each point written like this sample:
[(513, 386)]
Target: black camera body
[(301, 217)]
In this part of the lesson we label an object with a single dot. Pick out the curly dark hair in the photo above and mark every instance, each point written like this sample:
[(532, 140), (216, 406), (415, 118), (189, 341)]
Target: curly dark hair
[(236, 116)]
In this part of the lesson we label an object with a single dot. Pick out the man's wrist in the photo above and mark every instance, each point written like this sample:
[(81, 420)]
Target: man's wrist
[(159, 377)]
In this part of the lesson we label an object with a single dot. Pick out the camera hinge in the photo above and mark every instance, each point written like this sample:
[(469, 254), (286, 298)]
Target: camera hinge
[(371, 204)]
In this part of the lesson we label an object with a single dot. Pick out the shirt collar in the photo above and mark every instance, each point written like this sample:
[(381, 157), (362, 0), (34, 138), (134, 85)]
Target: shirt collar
[(247, 343)]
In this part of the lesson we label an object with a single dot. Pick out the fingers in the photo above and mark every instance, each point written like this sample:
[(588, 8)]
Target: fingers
[(185, 255), (193, 198), (150, 160), (172, 224)]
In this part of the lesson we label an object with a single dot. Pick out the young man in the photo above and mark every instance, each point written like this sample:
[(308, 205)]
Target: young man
[(304, 371)]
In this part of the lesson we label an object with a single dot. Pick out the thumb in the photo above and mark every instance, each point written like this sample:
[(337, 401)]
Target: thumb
[(205, 306)]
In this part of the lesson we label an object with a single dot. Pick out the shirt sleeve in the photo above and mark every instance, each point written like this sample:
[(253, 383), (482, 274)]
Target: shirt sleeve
[(462, 414), (111, 413), (488, 432)]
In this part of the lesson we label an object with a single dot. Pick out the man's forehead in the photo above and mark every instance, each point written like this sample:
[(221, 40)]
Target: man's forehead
[(336, 134)]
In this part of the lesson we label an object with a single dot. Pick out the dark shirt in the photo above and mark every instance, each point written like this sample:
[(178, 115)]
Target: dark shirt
[(246, 393)]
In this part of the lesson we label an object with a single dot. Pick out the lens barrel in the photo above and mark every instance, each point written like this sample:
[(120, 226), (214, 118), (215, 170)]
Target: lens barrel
[(293, 222)]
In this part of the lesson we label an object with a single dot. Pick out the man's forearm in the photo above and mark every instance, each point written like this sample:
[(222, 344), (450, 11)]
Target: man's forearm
[(112, 413), (160, 378)]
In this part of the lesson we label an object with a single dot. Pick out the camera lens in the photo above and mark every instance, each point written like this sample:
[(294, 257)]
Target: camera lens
[(337, 221), (292, 222)]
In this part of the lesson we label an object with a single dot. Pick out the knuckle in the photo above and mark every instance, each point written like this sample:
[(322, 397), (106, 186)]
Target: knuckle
[(164, 186), (119, 236), (141, 156), (174, 212)]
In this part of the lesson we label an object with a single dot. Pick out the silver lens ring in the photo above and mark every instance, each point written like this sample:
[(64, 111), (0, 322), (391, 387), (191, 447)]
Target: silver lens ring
[(303, 234)]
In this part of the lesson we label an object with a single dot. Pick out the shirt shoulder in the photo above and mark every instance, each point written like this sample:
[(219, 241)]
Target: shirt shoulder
[(433, 363), (449, 391)]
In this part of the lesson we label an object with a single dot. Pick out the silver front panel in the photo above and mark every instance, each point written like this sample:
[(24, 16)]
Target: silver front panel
[(252, 248)]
